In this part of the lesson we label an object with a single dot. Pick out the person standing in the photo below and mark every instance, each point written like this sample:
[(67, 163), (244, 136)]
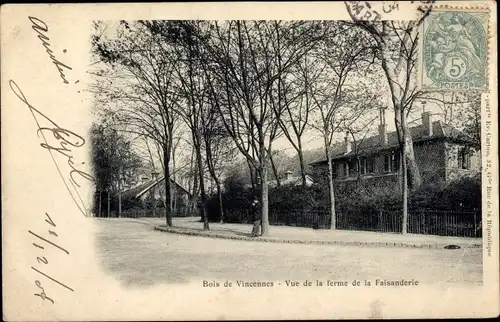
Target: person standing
[(256, 217)]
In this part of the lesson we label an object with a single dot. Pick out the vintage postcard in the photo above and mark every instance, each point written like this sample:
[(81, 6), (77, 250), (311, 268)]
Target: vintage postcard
[(240, 161)]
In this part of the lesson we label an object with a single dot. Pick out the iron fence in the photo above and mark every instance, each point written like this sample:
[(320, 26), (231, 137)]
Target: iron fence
[(422, 221), (317, 219), (466, 223), (446, 223), (148, 213), (135, 213)]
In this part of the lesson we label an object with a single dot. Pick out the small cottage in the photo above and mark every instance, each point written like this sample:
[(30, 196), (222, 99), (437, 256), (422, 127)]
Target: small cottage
[(151, 193)]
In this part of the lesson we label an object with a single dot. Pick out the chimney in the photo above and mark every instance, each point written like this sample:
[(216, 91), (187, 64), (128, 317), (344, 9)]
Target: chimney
[(144, 179), (382, 128), (154, 175), (347, 143), (288, 174), (426, 121)]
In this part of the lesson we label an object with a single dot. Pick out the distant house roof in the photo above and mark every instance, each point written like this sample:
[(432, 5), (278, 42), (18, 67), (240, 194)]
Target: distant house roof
[(440, 131), (141, 189), (292, 180)]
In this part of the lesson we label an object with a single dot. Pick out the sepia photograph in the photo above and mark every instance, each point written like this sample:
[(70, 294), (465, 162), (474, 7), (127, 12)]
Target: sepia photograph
[(297, 132), (262, 160)]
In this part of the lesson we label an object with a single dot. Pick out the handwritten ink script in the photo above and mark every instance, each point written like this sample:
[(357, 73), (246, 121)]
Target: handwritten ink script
[(60, 143), (42, 260), (41, 28), (64, 141)]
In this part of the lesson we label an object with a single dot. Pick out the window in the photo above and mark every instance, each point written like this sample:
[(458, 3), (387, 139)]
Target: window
[(352, 167), (366, 165), (390, 162), (370, 165), (346, 169), (387, 162), (464, 159), (334, 170)]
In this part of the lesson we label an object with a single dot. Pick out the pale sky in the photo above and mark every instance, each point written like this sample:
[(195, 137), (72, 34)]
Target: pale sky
[(312, 139)]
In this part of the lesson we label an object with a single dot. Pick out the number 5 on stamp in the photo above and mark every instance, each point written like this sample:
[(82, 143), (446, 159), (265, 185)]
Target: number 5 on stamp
[(454, 50)]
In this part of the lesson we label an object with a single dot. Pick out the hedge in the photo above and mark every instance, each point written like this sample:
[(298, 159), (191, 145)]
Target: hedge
[(288, 202)]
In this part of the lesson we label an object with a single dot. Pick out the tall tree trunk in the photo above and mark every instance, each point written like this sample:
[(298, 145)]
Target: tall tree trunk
[(404, 228), (275, 170), (174, 195), (264, 196), (194, 197), (403, 140), (190, 185), (253, 179), (109, 204), (166, 167), (213, 174), (153, 200), (174, 199), (119, 204), (408, 149), (221, 208), (414, 178), (264, 188), (202, 182), (333, 221), (397, 78), (331, 188), (100, 204), (302, 166), (120, 193), (193, 177)]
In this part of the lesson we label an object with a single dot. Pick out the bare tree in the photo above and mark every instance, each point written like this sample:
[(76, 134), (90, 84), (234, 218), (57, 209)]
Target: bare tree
[(113, 161), (293, 104), (358, 132), (218, 148), (136, 88), (196, 105), (182, 36), (397, 45), (241, 61), (339, 100)]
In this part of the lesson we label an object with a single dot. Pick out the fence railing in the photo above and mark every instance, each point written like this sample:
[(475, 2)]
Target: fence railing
[(431, 222), (140, 212), (420, 221), (310, 219), (445, 223)]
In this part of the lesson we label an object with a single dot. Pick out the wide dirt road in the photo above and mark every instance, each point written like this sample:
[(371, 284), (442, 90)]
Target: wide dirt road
[(137, 255)]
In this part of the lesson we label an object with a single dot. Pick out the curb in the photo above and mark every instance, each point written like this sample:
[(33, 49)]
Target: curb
[(188, 232)]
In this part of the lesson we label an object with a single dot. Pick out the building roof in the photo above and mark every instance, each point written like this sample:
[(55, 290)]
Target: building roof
[(370, 145), (292, 180), (141, 189)]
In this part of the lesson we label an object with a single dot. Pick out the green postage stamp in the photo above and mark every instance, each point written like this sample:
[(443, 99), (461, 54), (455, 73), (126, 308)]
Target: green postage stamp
[(454, 50)]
